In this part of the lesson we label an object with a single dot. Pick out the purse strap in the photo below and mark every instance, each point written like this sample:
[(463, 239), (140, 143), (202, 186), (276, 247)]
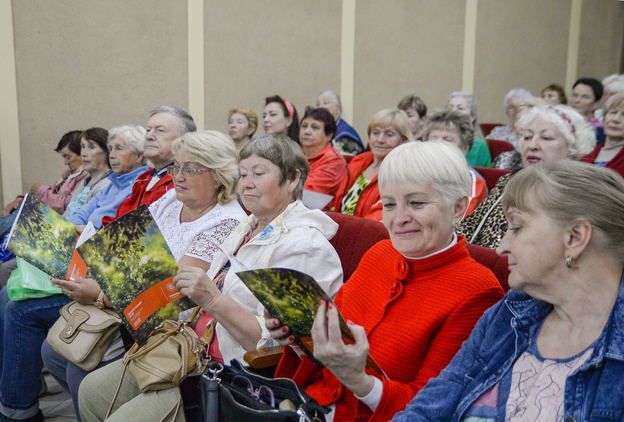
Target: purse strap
[(130, 356)]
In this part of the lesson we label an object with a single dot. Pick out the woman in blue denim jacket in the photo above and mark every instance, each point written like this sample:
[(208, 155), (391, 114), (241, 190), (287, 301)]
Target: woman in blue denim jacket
[(553, 349)]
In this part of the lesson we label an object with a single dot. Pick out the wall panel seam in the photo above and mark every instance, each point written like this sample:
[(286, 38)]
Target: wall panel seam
[(196, 71), (347, 58), (10, 154)]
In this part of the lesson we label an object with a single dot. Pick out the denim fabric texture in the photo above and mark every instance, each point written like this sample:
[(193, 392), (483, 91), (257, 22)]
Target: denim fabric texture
[(6, 223), (24, 326), (594, 393)]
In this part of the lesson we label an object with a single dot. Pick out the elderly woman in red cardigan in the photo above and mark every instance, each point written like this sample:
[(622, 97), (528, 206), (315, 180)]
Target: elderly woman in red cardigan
[(412, 301), (327, 166)]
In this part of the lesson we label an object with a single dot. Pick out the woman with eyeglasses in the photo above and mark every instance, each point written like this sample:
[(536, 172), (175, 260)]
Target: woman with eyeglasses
[(195, 216), (281, 232)]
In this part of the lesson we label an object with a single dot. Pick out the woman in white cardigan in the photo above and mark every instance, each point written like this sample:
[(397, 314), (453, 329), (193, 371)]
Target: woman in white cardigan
[(281, 232)]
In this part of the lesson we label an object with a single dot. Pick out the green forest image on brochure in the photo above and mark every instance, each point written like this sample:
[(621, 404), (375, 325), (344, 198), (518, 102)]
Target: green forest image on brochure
[(130, 260), (43, 238)]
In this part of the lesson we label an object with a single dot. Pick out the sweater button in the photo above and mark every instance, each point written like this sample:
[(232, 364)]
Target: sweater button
[(402, 270)]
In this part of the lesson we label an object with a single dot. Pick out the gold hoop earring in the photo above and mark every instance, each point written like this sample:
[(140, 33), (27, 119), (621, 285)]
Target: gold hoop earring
[(571, 263)]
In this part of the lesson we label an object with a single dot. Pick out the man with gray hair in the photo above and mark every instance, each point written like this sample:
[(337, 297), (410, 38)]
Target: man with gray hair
[(165, 124), (346, 141)]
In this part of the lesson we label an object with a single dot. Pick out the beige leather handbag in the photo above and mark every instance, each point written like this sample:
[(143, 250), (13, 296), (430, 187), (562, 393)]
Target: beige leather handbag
[(83, 333)]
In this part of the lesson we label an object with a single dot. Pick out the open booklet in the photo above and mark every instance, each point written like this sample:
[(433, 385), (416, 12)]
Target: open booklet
[(293, 297), (129, 258)]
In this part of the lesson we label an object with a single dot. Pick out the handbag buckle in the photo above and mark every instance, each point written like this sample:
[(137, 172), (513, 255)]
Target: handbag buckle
[(214, 372), (303, 416)]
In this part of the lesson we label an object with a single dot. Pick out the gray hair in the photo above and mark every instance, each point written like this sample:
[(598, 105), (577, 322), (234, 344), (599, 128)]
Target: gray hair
[(579, 135), (335, 97), (285, 154), (436, 163), (470, 99), (217, 152), (133, 136), (569, 190), (187, 124), (454, 120), (615, 84), (516, 92)]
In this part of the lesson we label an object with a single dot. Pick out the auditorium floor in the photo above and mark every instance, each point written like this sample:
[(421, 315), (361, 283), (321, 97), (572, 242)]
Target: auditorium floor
[(56, 403)]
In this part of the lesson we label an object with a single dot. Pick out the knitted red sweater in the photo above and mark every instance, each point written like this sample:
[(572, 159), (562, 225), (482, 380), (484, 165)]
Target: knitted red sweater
[(416, 314)]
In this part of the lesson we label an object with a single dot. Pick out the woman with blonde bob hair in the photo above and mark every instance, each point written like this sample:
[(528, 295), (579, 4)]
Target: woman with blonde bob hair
[(215, 151), (194, 217), (411, 302), (551, 349), (242, 124), (358, 194), (610, 153)]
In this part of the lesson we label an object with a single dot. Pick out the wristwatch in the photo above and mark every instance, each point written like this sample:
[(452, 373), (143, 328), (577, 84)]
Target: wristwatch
[(99, 302)]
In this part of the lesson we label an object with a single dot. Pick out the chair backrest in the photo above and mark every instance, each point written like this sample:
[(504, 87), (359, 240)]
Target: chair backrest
[(486, 128), (491, 175), (355, 236), (497, 147), (490, 259)]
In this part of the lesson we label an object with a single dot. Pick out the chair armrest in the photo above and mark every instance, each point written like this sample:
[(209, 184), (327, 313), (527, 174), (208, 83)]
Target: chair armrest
[(264, 358)]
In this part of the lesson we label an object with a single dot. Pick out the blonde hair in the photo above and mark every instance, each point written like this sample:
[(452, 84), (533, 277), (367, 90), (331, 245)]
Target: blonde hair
[(252, 117), (569, 190), (217, 152), (391, 117)]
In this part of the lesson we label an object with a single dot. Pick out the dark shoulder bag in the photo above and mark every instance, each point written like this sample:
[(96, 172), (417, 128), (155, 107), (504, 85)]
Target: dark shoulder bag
[(232, 393)]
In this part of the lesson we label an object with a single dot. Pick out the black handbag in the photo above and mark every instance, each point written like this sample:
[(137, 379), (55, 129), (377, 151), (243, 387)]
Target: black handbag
[(232, 393)]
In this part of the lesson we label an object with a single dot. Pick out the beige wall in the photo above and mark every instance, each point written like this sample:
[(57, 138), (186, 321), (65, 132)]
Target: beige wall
[(602, 28), (92, 63), (294, 52), (96, 63), (401, 48), (518, 46)]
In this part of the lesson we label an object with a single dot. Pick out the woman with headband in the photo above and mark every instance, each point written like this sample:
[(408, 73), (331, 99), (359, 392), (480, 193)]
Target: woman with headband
[(280, 118), (547, 134)]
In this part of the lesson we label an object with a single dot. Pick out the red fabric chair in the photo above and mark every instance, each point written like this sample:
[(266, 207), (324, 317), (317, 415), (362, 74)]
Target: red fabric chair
[(489, 258), (355, 236), (486, 128), (491, 175), (497, 147)]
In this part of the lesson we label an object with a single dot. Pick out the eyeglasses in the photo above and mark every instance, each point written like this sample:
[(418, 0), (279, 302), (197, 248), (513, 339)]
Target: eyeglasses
[(186, 171), (263, 394)]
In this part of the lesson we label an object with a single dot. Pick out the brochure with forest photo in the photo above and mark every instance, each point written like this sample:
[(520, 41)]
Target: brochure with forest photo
[(129, 258), (293, 298), (42, 237)]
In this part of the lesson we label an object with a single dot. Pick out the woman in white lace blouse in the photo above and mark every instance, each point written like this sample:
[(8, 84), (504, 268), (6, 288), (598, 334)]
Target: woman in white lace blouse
[(202, 210)]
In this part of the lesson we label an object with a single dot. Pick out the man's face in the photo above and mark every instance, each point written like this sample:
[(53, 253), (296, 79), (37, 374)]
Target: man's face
[(161, 130)]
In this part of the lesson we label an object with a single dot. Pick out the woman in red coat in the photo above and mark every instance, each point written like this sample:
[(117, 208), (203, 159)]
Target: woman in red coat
[(412, 301), (327, 166), (358, 194)]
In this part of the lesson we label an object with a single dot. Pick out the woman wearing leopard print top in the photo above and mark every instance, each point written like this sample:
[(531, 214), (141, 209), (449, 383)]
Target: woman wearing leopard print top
[(547, 134)]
